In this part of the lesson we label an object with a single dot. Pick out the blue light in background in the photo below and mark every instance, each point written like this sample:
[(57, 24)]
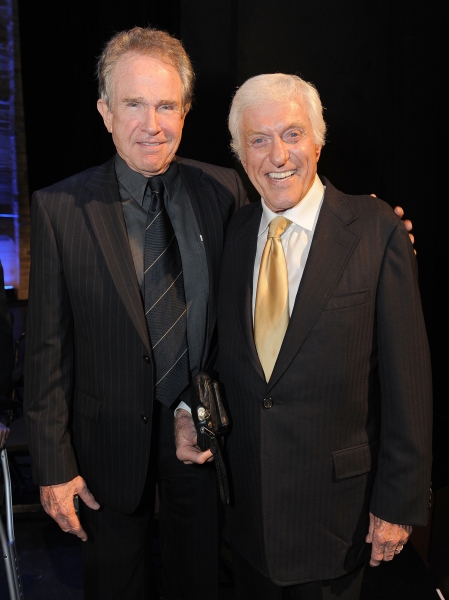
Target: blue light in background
[(9, 210)]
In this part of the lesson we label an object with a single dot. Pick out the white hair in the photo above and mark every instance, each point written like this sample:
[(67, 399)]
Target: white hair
[(278, 87)]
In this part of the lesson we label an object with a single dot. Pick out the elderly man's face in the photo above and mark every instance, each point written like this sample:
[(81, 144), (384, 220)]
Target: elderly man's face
[(280, 154), (146, 118)]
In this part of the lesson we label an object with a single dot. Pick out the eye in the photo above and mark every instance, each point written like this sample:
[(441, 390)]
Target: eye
[(293, 135), (166, 108), (258, 142)]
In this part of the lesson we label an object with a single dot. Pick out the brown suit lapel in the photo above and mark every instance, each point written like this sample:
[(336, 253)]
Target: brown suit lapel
[(332, 246), (105, 213)]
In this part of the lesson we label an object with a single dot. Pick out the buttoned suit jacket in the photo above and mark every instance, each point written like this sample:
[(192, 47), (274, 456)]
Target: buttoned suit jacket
[(343, 425), (89, 376)]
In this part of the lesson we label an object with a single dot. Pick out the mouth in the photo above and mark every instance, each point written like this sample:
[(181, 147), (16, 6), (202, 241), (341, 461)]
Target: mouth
[(150, 144), (281, 176)]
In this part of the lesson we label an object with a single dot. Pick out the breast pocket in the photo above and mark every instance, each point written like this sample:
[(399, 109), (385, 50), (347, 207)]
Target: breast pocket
[(348, 300)]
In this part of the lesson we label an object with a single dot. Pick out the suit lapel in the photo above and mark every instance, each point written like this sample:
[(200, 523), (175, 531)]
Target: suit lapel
[(244, 253), (332, 246), (205, 204), (103, 207)]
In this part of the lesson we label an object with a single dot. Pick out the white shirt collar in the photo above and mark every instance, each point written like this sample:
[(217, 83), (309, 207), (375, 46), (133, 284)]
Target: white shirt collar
[(303, 214)]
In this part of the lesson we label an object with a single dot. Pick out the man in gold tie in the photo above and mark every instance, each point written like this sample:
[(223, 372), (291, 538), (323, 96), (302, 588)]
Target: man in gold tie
[(324, 357)]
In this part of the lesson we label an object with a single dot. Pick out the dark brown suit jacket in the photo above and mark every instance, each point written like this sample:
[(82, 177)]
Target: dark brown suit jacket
[(88, 370), (349, 426)]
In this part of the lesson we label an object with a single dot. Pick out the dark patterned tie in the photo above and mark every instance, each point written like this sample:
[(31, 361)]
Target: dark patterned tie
[(165, 306)]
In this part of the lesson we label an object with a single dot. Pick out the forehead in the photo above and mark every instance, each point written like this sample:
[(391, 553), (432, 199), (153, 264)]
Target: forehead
[(275, 115), (141, 69)]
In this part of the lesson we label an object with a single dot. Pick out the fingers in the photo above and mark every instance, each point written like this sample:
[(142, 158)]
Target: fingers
[(186, 439), (384, 552), (408, 224), (58, 502), (399, 211), (192, 454), (387, 539)]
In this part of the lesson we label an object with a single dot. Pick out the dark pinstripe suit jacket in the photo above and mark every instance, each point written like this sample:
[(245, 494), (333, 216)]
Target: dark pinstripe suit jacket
[(88, 381), (349, 428)]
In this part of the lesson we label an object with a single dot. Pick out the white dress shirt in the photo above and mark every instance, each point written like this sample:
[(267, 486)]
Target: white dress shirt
[(296, 240)]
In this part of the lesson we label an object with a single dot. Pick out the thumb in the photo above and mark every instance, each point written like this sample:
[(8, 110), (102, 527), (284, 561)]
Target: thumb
[(88, 498)]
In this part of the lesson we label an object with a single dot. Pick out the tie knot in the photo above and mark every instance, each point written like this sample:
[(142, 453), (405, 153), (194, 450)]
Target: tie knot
[(156, 184), (278, 226)]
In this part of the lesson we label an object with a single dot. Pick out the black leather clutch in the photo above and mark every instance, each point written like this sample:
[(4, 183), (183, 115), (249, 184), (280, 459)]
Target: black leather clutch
[(212, 421)]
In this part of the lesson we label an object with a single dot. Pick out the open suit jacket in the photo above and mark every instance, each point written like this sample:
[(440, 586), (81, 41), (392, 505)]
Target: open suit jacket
[(89, 388), (343, 425)]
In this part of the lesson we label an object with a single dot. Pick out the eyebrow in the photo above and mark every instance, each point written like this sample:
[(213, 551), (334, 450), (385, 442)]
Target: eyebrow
[(291, 126), (130, 99)]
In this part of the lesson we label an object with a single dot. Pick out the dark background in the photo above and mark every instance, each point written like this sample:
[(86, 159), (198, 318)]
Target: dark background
[(379, 67)]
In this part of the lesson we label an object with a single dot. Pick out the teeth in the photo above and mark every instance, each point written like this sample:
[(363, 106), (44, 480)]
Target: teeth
[(282, 175)]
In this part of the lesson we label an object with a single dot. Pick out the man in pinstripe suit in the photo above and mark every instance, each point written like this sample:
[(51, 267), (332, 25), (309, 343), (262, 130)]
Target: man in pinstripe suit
[(100, 428), (330, 446)]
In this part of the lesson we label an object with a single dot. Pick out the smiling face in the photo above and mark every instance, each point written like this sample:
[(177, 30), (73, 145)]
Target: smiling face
[(146, 117), (280, 153)]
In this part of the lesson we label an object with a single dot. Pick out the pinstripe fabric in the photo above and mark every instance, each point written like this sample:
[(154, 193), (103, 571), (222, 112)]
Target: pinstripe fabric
[(87, 381), (351, 391)]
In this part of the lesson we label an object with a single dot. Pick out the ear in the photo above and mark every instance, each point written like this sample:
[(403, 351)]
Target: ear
[(183, 116), (318, 152), (104, 111)]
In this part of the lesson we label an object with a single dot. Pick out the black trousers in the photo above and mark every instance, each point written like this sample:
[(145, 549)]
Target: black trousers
[(117, 556), (252, 585)]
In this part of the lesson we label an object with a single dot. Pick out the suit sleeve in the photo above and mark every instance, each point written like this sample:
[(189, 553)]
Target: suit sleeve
[(49, 355), (401, 492)]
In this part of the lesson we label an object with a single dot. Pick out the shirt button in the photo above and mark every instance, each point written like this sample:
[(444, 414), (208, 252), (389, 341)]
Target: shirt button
[(267, 402), (146, 358), (144, 418)]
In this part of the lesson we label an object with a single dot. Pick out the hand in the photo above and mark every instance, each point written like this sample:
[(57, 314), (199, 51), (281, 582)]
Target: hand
[(387, 539), (57, 501), (4, 432), (408, 224), (186, 440)]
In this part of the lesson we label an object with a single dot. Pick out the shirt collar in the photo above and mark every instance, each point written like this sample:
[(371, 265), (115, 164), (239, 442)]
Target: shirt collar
[(303, 214), (136, 183)]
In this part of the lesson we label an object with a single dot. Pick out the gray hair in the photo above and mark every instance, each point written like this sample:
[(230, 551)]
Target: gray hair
[(278, 87), (149, 42)]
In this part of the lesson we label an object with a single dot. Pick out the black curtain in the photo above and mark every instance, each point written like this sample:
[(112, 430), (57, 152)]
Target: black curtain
[(377, 65)]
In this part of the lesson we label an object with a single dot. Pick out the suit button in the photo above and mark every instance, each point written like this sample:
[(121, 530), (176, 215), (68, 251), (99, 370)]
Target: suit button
[(146, 359), (144, 418), (267, 402)]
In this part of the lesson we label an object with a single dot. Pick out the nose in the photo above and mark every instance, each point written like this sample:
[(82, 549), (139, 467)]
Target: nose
[(150, 121), (279, 153)]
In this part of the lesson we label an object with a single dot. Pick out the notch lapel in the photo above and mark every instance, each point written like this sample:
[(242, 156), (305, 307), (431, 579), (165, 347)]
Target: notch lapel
[(332, 246), (244, 254), (104, 209)]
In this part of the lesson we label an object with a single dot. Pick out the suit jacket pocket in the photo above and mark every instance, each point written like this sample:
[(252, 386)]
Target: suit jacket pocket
[(347, 300), (355, 461), (87, 406)]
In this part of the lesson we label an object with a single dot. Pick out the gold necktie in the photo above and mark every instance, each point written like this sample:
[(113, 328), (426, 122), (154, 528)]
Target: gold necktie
[(271, 313)]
